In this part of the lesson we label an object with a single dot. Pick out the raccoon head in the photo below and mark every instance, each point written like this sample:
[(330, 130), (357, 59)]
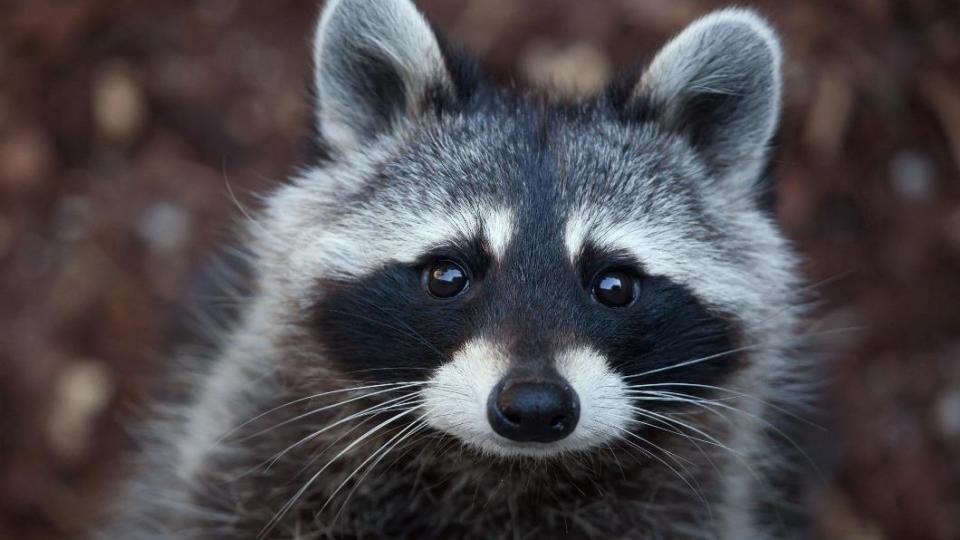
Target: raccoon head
[(546, 276)]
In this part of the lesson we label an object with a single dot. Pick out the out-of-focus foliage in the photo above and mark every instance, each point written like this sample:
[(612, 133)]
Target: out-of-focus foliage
[(122, 123)]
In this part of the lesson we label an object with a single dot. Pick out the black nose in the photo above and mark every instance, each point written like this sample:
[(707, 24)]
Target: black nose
[(533, 411)]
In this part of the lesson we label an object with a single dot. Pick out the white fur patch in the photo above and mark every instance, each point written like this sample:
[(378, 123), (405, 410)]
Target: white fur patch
[(604, 408), (498, 228), (456, 400), (361, 243), (575, 235), (668, 249)]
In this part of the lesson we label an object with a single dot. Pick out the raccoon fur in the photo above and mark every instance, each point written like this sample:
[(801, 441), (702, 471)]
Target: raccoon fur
[(487, 313)]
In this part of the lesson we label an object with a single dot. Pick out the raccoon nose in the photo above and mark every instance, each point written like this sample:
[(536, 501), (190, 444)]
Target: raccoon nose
[(525, 411)]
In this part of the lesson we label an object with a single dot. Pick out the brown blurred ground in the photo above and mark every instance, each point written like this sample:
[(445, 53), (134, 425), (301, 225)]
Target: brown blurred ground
[(120, 122)]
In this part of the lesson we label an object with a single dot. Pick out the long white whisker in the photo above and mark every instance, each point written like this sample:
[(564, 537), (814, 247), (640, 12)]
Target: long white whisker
[(293, 500), (415, 400), (696, 489), (384, 449), (685, 425), (751, 397), (307, 398), (662, 425), (692, 362), (379, 408), (327, 408), (798, 339), (707, 404)]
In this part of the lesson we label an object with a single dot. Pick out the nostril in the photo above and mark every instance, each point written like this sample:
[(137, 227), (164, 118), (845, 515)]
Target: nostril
[(559, 422), (513, 418)]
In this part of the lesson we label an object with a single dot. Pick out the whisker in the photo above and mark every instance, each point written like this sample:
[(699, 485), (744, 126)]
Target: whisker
[(301, 400), (694, 361), (798, 339), (697, 490), (384, 449), (376, 409), (751, 397), (767, 424), (326, 408), (293, 500), (366, 418), (685, 425)]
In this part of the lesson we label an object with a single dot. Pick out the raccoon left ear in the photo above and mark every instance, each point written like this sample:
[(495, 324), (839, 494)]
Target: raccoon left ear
[(376, 62), (718, 84)]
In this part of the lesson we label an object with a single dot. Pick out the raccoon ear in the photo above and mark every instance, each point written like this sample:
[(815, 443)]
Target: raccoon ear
[(376, 62), (718, 83)]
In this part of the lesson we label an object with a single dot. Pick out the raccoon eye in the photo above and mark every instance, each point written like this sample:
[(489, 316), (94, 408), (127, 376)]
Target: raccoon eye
[(445, 279), (615, 288)]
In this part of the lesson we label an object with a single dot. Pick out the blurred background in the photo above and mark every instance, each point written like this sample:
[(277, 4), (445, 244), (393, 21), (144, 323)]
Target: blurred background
[(123, 122)]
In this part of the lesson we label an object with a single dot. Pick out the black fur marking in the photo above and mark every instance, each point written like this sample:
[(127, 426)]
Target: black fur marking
[(380, 86), (665, 326), (631, 108), (533, 301), (703, 118), (386, 326), (465, 75)]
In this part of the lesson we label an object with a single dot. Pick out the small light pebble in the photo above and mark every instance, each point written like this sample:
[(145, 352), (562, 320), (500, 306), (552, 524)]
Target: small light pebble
[(948, 413), (81, 393), (578, 70), (164, 227), (119, 104), (912, 175)]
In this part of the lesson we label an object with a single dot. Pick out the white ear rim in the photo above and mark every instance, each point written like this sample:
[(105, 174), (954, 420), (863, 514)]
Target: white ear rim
[(398, 32), (679, 68), (665, 70)]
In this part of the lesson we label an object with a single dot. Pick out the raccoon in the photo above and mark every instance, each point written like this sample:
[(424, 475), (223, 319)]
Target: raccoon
[(483, 312)]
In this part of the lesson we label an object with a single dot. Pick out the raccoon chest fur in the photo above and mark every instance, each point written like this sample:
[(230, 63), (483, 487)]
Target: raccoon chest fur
[(417, 491)]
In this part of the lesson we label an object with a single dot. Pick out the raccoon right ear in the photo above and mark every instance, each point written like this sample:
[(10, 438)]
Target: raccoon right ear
[(718, 84), (376, 63)]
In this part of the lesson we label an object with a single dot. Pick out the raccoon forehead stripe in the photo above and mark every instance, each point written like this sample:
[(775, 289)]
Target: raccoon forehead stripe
[(669, 249), (362, 242), (575, 235), (660, 248), (498, 228)]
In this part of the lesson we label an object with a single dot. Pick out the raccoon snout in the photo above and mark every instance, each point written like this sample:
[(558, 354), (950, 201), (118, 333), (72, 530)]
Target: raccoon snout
[(533, 411)]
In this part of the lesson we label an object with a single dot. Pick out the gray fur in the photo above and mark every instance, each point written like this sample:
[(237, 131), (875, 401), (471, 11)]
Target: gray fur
[(729, 60), (358, 50), (394, 189)]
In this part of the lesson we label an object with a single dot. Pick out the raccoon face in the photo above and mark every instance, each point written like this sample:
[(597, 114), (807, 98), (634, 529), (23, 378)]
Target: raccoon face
[(549, 278)]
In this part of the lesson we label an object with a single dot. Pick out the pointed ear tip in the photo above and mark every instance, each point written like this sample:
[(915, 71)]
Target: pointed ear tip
[(326, 9), (381, 10), (745, 20), (322, 20)]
